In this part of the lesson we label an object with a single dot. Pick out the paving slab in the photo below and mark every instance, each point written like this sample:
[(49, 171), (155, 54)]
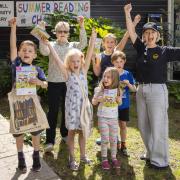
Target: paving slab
[(8, 159)]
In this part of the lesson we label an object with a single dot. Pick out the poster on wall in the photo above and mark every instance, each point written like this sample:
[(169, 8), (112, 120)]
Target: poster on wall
[(32, 12), (6, 12)]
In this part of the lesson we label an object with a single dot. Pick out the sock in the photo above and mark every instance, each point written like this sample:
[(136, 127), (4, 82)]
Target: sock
[(123, 145)]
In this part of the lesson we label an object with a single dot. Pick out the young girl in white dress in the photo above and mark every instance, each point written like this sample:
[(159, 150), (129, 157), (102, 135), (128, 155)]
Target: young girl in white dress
[(75, 70)]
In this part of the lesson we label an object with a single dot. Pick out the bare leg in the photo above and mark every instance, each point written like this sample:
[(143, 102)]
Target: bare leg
[(19, 143), (70, 141), (123, 130), (36, 142), (82, 143)]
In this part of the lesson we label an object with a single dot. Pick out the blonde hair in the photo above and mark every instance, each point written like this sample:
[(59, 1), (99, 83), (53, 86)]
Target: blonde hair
[(114, 77), (29, 43), (109, 35), (62, 24), (118, 54), (71, 53)]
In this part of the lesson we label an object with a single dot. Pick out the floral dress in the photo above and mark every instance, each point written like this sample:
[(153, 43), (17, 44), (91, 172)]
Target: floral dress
[(74, 99)]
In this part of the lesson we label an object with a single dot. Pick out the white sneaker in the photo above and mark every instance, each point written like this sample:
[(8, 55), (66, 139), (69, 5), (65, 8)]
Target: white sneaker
[(49, 147)]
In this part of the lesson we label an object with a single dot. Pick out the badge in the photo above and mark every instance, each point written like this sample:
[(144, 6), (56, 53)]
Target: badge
[(155, 56)]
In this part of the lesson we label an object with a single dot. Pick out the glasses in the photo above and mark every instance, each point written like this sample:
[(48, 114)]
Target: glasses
[(145, 55), (60, 32)]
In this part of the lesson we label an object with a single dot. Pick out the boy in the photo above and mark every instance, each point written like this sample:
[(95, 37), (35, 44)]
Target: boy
[(118, 59), (24, 57)]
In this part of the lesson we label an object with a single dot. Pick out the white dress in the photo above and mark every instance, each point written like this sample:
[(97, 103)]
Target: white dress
[(74, 100)]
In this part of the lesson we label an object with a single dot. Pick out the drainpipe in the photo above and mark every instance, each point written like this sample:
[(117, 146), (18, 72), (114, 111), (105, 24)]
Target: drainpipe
[(171, 32)]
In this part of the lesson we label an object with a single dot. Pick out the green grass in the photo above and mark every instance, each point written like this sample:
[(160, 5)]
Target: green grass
[(131, 168)]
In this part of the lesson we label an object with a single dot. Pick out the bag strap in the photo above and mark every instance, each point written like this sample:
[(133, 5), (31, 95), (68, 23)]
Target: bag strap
[(81, 86)]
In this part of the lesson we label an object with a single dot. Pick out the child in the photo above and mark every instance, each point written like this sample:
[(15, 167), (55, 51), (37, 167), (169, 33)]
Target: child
[(118, 59), (25, 57), (108, 96), (56, 81), (75, 73), (102, 61)]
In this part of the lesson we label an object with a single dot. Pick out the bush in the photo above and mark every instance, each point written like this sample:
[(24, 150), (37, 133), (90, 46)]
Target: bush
[(102, 26)]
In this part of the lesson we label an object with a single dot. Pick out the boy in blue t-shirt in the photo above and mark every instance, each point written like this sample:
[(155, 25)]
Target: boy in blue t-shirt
[(118, 59)]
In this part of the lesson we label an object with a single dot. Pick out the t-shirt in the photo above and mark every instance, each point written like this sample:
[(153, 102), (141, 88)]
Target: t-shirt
[(18, 62), (105, 62), (152, 62), (108, 108), (126, 75)]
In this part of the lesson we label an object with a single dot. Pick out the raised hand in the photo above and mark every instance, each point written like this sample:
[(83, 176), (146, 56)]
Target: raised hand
[(80, 20), (128, 8), (12, 22), (137, 19)]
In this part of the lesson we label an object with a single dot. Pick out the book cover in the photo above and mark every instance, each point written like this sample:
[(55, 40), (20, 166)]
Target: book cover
[(23, 75), (110, 98), (40, 33), (97, 45)]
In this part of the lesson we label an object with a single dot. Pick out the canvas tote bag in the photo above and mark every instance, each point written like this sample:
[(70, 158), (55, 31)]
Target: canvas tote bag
[(86, 118), (27, 114)]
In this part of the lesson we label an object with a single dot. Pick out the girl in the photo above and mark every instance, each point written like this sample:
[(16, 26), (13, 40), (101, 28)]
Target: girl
[(56, 81), (108, 95), (75, 71)]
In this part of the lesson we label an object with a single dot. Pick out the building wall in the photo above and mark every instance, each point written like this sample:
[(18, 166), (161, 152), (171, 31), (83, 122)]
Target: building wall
[(112, 9)]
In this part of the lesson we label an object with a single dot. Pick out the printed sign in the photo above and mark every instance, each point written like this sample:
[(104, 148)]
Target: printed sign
[(32, 12), (6, 12)]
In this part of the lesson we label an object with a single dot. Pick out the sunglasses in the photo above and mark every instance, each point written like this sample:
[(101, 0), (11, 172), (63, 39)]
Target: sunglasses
[(60, 32)]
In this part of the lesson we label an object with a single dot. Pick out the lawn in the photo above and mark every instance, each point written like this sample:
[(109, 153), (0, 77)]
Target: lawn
[(131, 168)]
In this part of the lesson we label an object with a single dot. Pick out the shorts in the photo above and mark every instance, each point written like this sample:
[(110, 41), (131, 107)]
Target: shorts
[(123, 114), (35, 133)]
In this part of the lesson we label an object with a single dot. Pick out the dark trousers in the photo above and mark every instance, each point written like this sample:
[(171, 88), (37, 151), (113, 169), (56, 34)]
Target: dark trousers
[(56, 99)]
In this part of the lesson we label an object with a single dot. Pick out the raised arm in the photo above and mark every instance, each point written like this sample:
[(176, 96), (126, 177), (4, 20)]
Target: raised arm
[(125, 38), (82, 35), (129, 23), (58, 60), (13, 46), (90, 50), (96, 61)]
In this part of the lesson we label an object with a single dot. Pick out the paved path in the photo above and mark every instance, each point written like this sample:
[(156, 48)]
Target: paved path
[(8, 159)]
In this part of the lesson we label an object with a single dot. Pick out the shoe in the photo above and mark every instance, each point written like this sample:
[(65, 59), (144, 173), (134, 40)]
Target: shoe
[(115, 164), (157, 167), (48, 148), (85, 160), (36, 167), (73, 165), (124, 152), (144, 158), (105, 165), (98, 141), (22, 164)]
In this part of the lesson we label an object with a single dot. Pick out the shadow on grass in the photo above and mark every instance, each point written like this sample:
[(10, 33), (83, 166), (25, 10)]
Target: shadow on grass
[(150, 173)]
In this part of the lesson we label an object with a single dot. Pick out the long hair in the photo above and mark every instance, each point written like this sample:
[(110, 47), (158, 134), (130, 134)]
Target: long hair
[(71, 53), (114, 77)]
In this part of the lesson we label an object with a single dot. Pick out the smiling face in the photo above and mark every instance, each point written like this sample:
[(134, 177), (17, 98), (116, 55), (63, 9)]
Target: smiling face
[(27, 53), (62, 31), (75, 63), (109, 44), (107, 80), (150, 37)]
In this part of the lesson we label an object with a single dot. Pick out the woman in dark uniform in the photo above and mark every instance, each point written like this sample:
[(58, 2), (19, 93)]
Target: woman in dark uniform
[(152, 93)]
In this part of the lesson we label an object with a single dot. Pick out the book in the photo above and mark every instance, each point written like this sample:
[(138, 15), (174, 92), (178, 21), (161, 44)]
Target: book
[(97, 45), (40, 33), (23, 75)]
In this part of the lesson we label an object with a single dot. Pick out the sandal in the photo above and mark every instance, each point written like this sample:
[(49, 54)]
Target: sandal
[(73, 165), (85, 160)]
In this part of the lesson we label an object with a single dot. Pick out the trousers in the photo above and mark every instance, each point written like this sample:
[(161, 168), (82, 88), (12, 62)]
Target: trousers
[(56, 100), (152, 106)]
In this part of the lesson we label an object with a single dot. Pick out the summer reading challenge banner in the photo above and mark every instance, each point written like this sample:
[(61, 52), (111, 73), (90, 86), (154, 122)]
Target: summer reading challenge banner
[(32, 12), (6, 12)]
